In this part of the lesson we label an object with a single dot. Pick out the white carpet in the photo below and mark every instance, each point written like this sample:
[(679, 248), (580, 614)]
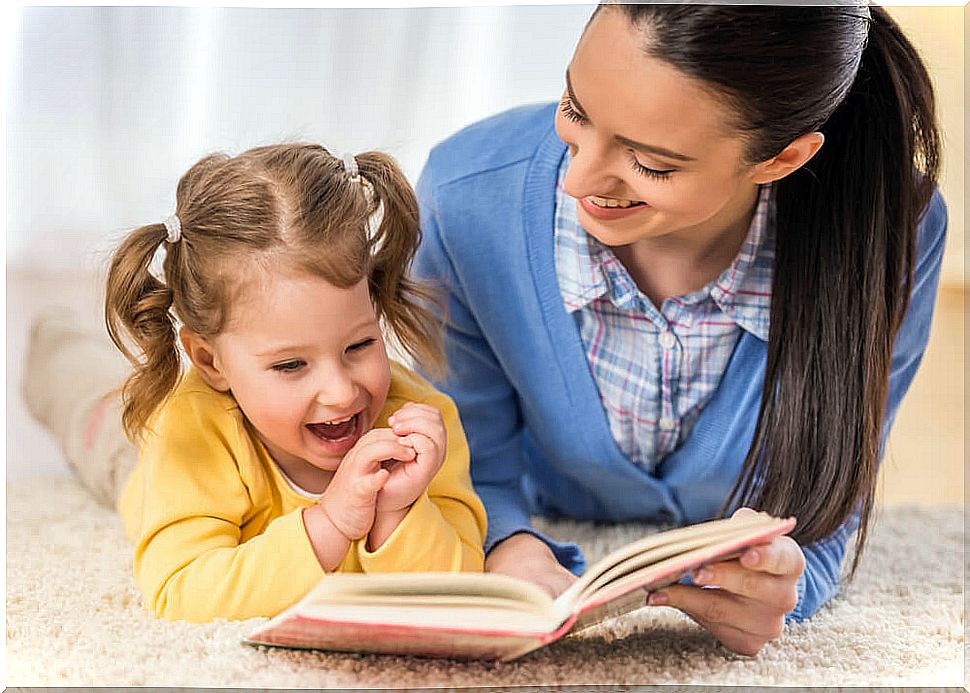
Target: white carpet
[(74, 618)]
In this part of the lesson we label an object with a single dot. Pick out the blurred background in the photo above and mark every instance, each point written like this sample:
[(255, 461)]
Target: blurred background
[(108, 106)]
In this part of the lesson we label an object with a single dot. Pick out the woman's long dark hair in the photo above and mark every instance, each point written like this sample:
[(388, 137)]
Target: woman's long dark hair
[(846, 230)]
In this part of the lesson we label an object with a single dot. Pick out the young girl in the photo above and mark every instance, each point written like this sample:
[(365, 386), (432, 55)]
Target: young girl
[(292, 447), (703, 279)]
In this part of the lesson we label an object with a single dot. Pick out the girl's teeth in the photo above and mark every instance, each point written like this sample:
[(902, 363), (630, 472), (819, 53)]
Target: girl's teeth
[(610, 202)]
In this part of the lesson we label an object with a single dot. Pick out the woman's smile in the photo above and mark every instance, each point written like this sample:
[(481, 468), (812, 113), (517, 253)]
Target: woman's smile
[(609, 208)]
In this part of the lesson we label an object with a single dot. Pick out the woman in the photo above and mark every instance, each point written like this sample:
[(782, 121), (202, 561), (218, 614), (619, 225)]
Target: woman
[(703, 280)]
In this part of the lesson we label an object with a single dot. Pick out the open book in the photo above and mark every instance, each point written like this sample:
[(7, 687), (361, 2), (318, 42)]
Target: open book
[(491, 616)]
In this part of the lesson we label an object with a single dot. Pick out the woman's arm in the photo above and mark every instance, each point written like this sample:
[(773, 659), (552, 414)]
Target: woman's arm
[(490, 411)]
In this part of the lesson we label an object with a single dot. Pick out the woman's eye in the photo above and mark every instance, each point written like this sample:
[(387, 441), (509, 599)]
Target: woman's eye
[(289, 366), (363, 344), (570, 113), (647, 171)]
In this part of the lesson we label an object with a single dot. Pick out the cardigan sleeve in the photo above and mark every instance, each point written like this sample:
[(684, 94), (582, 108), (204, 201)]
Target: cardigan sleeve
[(489, 406), (823, 560)]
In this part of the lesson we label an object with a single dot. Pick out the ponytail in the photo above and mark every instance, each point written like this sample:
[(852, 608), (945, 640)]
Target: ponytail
[(137, 307), (845, 255), (403, 303)]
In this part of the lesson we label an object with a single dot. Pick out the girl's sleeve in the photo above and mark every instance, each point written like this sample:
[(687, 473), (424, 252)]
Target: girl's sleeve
[(445, 528), (489, 406), (192, 560), (823, 568)]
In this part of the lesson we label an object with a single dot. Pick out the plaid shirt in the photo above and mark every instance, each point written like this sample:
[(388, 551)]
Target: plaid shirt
[(656, 369)]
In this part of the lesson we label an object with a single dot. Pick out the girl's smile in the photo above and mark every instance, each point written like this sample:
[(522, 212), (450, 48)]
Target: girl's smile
[(306, 362), (337, 437)]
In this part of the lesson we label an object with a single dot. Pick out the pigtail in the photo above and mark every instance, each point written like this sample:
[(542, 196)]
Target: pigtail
[(137, 308), (403, 303), (845, 256)]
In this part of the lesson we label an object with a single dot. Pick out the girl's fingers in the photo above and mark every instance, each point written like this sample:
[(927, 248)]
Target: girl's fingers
[(421, 443), (413, 409), (419, 418), (377, 449)]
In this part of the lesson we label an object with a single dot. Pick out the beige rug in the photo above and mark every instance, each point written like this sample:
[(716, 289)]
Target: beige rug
[(74, 618)]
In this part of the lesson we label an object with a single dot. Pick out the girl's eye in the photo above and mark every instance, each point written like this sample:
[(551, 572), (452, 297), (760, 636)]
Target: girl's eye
[(570, 113), (647, 171), (363, 344), (289, 366)]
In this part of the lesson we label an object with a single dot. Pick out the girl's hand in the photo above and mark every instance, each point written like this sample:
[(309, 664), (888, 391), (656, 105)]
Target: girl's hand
[(421, 428), (528, 557), (350, 500), (755, 592)]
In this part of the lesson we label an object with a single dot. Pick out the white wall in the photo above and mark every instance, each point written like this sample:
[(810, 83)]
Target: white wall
[(107, 106)]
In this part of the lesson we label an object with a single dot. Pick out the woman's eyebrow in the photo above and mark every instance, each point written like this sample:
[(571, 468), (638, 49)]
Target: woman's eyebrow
[(626, 141)]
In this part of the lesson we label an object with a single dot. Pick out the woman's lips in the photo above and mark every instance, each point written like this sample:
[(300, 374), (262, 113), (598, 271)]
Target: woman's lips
[(610, 213)]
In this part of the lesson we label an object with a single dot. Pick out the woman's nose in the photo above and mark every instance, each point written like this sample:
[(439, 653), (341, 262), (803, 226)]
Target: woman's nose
[(590, 171)]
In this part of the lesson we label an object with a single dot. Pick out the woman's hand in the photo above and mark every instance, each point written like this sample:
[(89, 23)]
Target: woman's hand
[(755, 592), (528, 557)]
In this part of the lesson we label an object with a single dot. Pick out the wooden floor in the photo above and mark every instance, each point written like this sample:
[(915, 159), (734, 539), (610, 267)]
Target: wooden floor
[(924, 463)]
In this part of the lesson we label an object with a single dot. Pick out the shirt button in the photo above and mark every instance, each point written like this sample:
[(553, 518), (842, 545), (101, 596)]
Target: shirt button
[(667, 424), (667, 340)]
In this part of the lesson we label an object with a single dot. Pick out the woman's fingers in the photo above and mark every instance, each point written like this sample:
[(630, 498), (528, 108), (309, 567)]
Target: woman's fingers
[(782, 557), (735, 639), (722, 612)]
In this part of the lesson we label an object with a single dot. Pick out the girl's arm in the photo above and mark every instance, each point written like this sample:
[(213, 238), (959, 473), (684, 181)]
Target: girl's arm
[(205, 546)]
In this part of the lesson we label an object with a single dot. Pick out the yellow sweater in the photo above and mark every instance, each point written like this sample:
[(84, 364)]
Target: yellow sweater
[(218, 530)]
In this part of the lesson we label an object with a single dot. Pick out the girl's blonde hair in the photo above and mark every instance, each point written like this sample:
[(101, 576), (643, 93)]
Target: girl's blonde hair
[(289, 205)]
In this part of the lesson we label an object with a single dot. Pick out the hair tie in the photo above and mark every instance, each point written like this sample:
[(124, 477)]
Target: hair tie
[(173, 225), (350, 165)]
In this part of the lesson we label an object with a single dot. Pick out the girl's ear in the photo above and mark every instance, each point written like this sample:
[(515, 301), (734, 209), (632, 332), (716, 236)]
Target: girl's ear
[(790, 159), (204, 358)]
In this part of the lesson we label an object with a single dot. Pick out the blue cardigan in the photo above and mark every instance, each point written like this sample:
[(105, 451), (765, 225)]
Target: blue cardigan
[(539, 438)]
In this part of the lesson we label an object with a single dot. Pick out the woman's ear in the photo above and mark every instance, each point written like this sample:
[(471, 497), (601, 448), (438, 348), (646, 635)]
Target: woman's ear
[(204, 358), (791, 158)]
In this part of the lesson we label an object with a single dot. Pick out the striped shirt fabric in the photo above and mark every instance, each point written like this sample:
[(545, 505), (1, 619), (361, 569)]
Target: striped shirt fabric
[(657, 368)]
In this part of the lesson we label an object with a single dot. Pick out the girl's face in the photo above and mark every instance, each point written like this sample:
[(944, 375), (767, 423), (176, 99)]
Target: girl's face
[(306, 362), (653, 152)]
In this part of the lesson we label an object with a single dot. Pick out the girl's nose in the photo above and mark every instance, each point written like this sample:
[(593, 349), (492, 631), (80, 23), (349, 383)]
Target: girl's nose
[(337, 390)]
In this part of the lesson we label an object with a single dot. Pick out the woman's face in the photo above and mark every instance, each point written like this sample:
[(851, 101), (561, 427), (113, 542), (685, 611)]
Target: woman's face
[(654, 153)]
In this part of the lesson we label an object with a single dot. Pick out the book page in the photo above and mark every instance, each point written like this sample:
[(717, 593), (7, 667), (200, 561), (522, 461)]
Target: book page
[(481, 616), (653, 576), (705, 532), (483, 592), (647, 558)]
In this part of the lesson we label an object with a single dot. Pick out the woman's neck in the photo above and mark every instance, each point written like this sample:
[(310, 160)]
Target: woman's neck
[(680, 263)]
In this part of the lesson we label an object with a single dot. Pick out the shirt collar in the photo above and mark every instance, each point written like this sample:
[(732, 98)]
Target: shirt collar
[(587, 270)]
